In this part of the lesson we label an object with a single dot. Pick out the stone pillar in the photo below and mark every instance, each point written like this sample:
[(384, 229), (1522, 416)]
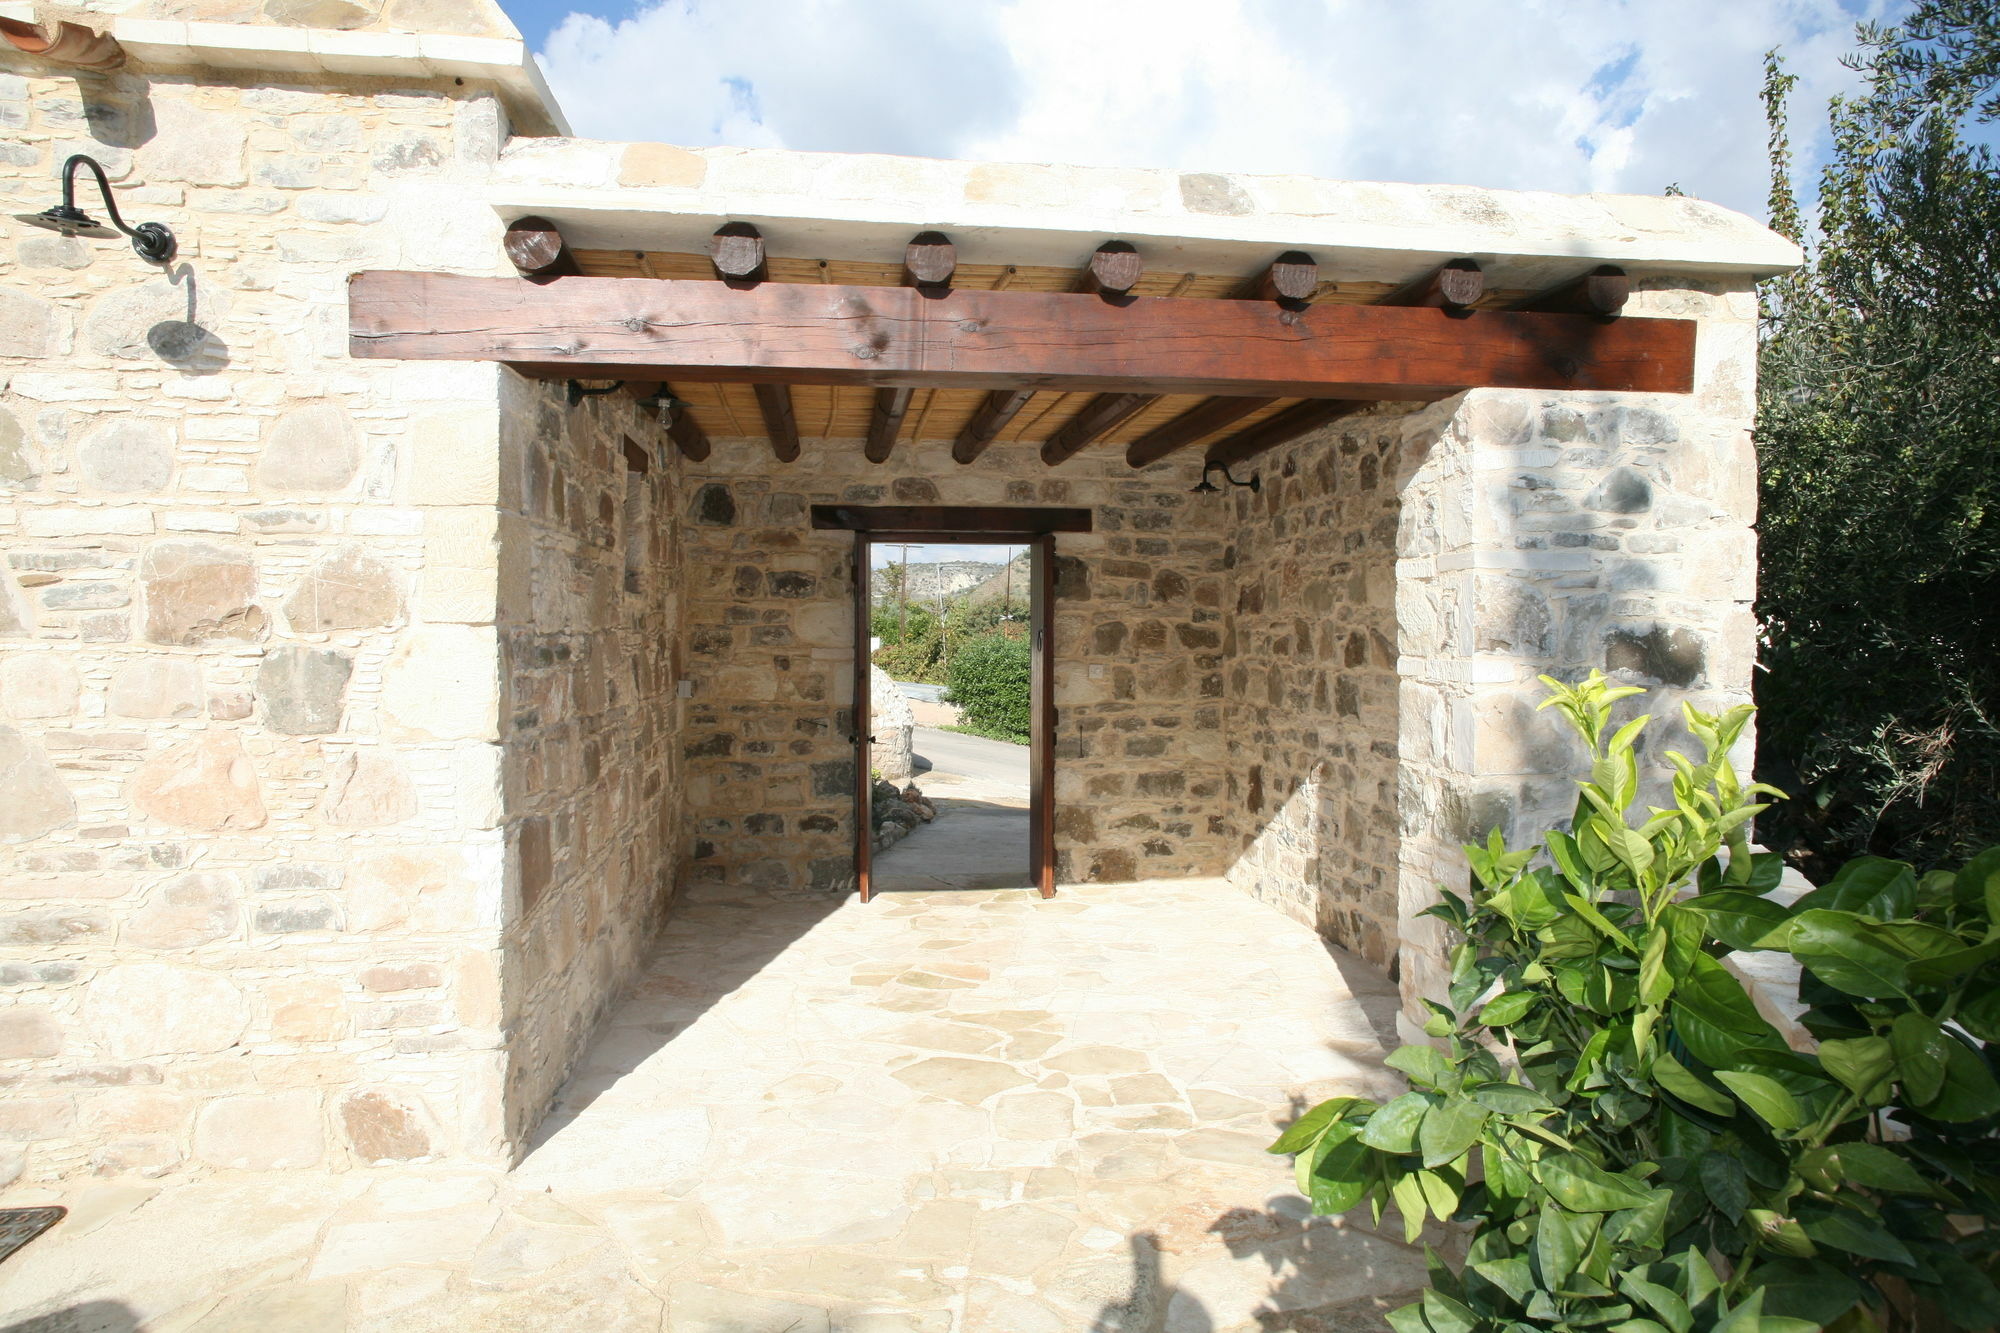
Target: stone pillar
[(1550, 534)]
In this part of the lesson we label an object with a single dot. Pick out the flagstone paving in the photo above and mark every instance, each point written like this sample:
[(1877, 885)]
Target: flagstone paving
[(943, 1112)]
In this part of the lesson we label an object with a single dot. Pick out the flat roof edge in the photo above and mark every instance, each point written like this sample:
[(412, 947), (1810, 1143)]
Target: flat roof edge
[(654, 196)]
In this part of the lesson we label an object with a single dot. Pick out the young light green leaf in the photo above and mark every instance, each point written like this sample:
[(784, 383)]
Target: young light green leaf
[(1679, 1080), (1774, 1105), (1507, 1008), (1308, 1127), (1862, 1064)]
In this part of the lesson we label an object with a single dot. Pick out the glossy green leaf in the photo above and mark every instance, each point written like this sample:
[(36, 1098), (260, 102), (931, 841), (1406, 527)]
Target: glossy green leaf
[(1577, 1185), (1508, 1008), (1773, 1103), (1662, 1301), (1340, 1178), (1512, 1275), (1862, 1064), (1508, 1098), (1978, 885), (1722, 1180), (1442, 1189), (1448, 1130), (1446, 1315), (1922, 1055), (1408, 1192), (1426, 1066), (1969, 1091), (1655, 982), (1849, 1231), (1941, 969), (1871, 885), (1818, 1292), (1868, 1164), (1308, 1127), (1740, 920), (1715, 1018), (1677, 1079), (1393, 1128), (1560, 1240), (1841, 951)]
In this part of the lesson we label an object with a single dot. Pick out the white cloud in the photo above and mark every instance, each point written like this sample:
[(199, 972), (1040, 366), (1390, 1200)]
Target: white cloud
[(1624, 95), (886, 554)]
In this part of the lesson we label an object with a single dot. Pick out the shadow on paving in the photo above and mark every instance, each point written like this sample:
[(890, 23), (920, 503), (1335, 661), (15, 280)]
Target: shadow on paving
[(971, 845), (90, 1317)]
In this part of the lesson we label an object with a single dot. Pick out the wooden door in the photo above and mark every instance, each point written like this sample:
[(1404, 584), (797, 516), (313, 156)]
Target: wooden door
[(862, 714), (1042, 714)]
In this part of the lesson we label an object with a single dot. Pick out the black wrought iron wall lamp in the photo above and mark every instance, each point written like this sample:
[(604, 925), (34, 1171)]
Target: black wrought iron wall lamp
[(152, 240), (1207, 487)]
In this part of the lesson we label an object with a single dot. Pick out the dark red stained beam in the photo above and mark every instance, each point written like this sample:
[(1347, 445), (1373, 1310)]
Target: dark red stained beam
[(1281, 428), (537, 250), (895, 337), (929, 261), (1101, 415), (1601, 292), (780, 426)]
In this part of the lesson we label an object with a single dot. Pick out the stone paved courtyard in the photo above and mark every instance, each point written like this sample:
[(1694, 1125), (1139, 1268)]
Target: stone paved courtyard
[(939, 1111)]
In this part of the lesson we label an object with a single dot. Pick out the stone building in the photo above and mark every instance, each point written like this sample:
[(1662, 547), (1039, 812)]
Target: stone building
[(360, 716)]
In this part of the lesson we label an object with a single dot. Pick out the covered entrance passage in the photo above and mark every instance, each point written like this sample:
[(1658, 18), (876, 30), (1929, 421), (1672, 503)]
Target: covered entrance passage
[(954, 1112)]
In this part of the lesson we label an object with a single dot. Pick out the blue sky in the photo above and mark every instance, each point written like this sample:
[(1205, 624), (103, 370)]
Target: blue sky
[(1564, 95)]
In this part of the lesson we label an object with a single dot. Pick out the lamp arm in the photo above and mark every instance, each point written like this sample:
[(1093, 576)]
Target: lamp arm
[(151, 240)]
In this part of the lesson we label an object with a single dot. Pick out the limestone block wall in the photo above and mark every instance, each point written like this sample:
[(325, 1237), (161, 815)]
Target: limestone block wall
[(1312, 685), (591, 566), (251, 817), (1553, 533), (1139, 642)]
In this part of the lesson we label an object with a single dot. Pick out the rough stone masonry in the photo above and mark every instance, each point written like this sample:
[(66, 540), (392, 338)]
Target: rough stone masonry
[(359, 720)]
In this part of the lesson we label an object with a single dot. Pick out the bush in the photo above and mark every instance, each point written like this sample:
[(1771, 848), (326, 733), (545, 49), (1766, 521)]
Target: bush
[(1632, 1145), (989, 680)]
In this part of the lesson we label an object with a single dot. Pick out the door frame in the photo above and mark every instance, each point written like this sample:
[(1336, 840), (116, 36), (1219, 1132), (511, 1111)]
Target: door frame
[(933, 525)]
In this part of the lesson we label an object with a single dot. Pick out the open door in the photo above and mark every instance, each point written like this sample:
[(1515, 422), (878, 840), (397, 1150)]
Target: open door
[(862, 713), (1042, 708), (1034, 528)]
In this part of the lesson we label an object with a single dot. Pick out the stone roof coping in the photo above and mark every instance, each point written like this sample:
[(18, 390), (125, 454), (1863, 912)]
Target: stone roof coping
[(502, 61), (608, 195)]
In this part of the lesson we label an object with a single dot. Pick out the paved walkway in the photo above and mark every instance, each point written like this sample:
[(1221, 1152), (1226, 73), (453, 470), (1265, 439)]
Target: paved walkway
[(941, 1112)]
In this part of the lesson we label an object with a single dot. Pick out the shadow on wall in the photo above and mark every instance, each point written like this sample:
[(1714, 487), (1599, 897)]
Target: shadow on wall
[(90, 1317)]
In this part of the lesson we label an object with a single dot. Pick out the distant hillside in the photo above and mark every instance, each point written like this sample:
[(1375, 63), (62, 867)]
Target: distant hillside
[(1007, 583), (943, 578)]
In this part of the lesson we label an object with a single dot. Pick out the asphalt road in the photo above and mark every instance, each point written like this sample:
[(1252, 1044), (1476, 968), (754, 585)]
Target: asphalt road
[(970, 756)]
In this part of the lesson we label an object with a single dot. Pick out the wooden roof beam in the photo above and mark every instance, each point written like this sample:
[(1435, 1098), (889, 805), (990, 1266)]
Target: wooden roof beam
[(1453, 286), (929, 261), (774, 401), (988, 420), (893, 337), (1601, 292)]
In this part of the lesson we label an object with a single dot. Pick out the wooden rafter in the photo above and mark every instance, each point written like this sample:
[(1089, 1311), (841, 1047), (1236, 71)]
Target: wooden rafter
[(1454, 287), (1601, 292), (1112, 270), (1290, 282), (928, 263), (537, 249)]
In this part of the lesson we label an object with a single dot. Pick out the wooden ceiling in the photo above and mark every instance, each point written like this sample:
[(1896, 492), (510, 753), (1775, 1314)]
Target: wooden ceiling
[(828, 412)]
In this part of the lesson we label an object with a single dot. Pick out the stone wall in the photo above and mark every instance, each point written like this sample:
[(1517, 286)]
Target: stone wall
[(589, 645), (1312, 686), (1139, 653), (1553, 533), (252, 893)]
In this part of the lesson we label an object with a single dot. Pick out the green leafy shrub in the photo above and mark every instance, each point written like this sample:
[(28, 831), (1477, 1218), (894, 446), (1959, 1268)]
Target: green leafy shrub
[(1631, 1144), (989, 680)]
